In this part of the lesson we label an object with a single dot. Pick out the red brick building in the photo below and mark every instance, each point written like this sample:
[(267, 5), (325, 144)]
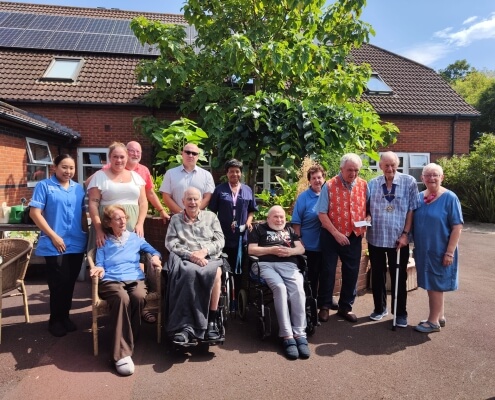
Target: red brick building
[(69, 73)]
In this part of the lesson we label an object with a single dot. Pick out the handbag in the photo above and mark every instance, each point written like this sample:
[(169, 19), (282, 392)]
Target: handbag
[(26, 219)]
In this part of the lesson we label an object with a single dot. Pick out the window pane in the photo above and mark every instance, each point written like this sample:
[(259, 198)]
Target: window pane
[(63, 69), (36, 172), (418, 160), (38, 152), (96, 159)]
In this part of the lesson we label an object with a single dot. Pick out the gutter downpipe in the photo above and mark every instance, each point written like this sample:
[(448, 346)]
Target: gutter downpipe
[(452, 144)]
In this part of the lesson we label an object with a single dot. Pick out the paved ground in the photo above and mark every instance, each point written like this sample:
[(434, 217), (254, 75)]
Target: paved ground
[(349, 361)]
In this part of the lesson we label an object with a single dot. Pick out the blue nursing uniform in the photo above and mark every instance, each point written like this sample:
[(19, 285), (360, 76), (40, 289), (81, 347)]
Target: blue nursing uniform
[(306, 215), (63, 210)]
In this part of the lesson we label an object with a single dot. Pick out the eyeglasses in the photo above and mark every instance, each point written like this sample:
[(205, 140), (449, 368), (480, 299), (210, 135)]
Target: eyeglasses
[(432, 176), (118, 219), (133, 151), (189, 152)]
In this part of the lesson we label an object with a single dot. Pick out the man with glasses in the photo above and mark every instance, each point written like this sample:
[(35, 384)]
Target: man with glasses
[(393, 199), (178, 179)]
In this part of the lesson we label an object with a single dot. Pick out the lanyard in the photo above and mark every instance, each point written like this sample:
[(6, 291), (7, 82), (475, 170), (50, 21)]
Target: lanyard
[(389, 195)]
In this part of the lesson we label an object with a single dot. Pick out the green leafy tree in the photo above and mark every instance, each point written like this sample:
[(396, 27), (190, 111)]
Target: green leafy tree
[(268, 80), (473, 85), (486, 106), (457, 70)]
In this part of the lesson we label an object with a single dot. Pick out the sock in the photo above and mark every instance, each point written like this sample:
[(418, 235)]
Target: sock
[(212, 315)]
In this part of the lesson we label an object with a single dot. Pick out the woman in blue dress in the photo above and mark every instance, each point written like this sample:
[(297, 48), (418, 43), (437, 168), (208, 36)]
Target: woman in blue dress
[(235, 205), (58, 209), (437, 228)]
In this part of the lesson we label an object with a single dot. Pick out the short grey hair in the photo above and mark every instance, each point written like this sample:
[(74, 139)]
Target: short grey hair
[(353, 157), (433, 166)]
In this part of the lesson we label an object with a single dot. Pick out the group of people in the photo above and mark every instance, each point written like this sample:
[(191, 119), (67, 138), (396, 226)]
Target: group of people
[(329, 222), (333, 217)]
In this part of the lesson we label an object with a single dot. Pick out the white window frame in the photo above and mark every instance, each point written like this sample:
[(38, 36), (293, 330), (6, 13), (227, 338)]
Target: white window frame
[(81, 165), (37, 163), (267, 183), (72, 77)]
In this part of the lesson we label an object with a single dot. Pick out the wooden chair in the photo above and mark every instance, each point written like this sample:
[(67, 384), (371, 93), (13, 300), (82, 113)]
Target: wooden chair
[(15, 255), (153, 298)]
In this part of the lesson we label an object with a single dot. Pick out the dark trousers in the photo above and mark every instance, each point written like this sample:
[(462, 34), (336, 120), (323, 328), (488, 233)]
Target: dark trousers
[(61, 275), (378, 260), (126, 301), (314, 259), (350, 256)]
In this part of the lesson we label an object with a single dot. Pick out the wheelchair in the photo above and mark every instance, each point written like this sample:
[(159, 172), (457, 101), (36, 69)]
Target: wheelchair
[(224, 304), (259, 296)]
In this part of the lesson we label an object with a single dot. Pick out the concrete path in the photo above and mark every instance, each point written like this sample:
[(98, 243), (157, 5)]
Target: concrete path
[(349, 361)]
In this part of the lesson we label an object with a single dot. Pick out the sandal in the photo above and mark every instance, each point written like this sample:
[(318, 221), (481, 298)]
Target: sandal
[(148, 317), (427, 327), (181, 337), (442, 322)]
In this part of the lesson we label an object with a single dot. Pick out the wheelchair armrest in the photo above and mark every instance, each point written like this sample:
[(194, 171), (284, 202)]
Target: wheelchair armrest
[(254, 258)]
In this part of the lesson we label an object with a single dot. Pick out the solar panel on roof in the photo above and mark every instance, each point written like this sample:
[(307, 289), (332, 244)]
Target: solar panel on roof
[(146, 49), (3, 16), (17, 20), (46, 22), (100, 25), (92, 42), (74, 24), (121, 44), (122, 28), (63, 41), (9, 36), (33, 39)]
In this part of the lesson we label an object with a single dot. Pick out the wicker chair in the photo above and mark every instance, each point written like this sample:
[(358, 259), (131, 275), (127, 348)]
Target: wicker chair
[(153, 298), (15, 255)]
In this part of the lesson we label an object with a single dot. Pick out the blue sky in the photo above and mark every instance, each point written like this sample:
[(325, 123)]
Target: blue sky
[(432, 32)]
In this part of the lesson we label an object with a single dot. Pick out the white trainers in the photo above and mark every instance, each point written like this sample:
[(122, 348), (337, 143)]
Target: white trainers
[(377, 316), (125, 366)]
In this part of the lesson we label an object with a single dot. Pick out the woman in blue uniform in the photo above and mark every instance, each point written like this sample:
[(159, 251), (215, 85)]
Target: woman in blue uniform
[(58, 209)]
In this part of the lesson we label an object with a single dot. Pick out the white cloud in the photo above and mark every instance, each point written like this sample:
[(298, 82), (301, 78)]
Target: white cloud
[(469, 20), (484, 29), (426, 53)]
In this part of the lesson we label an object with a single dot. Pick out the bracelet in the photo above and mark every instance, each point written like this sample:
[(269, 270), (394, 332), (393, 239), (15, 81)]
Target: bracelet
[(405, 232)]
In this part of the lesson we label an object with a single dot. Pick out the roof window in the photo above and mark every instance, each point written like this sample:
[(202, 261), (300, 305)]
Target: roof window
[(376, 85), (63, 69)]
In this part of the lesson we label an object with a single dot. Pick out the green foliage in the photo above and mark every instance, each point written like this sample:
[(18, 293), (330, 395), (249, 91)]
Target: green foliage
[(472, 178), (268, 80), (284, 197), (455, 71), (486, 106), (157, 179), (473, 85), (170, 138)]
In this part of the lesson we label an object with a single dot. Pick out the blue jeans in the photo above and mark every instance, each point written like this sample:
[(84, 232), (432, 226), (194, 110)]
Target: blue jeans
[(350, 256)]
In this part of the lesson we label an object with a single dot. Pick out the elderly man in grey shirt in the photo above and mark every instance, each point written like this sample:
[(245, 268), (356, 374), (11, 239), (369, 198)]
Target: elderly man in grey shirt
[(178, 179), (195, 241)]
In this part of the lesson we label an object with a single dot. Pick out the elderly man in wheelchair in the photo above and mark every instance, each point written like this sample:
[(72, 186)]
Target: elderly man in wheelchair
[(194, 274), (277, 247)]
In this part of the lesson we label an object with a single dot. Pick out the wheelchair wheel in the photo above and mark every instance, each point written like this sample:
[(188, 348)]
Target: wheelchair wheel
[(264, 323), (311, 315), (242, 299)]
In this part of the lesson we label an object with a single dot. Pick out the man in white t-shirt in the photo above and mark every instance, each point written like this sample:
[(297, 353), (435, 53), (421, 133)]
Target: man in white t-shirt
[(178, 179)]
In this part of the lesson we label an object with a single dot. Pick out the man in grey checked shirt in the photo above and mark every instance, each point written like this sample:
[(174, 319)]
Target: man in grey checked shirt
[(392, 201)]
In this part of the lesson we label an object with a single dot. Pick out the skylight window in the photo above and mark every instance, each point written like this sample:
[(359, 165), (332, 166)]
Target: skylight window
[(63, 69), (376, 85)]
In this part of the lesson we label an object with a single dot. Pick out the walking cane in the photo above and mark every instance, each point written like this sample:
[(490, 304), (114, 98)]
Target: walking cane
[(397, 271)]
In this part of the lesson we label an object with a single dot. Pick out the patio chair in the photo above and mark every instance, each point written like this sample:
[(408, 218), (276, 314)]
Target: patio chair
[(153, 298), (15, 255)]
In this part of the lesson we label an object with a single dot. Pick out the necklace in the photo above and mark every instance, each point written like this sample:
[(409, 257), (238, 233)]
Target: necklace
[(428, 199)]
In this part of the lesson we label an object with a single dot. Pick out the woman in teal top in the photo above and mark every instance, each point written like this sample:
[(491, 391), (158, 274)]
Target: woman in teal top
[(58, 209), (437, 227)]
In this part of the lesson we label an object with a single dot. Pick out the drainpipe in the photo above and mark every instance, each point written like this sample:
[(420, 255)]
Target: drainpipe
[(452, 139)]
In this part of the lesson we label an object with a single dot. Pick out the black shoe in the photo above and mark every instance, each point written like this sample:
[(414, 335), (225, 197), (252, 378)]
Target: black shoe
[(57, 328), (212, 332), (69, 325)]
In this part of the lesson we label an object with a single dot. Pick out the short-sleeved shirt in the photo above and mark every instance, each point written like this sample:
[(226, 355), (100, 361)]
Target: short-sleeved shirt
[(63, 210), (306, 215), (265, 236), (116, 192), (222, 203), (177, 180), (142, 171), (388, 217)]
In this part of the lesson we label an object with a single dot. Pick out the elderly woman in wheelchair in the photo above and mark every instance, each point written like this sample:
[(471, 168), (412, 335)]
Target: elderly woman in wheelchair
[(277, 247), (194, 274), (122, 282)]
